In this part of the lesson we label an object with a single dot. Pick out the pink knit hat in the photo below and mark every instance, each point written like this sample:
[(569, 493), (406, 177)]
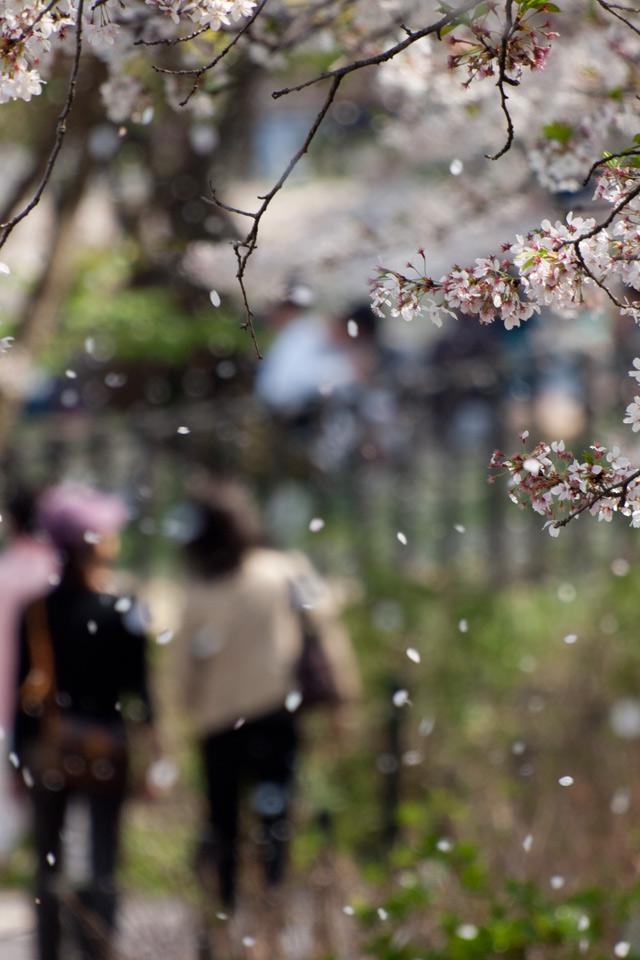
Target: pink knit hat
[(71, 512)]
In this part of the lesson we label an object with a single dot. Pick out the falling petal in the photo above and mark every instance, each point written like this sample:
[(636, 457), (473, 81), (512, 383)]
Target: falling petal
[(467, 931), (352, 328), (348, 910), (527, 843), (566, 592), (165, 637), (459, 528), (620, 801), (571, 638), (51, 859), (463, 626), (316, 524), (214, 296), (293, 701), (400, 698), (413, 655), (456, 167), (557, 882), (184, 430), (620, 567), (565, 781), (622, 948), (401, 537), (426, 726)]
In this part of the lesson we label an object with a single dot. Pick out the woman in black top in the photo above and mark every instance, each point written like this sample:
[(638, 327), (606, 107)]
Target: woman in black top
[(82, 653)]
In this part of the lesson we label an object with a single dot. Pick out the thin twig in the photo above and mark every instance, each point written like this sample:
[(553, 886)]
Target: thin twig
[(244, 248), (631, 152), (170, 41), (502, 79), (612, 7), (200, 71), (61, 129), (379, 58)]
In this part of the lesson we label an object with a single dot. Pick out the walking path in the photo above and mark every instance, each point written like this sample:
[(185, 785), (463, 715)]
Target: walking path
[(167, 928), (149, 929)]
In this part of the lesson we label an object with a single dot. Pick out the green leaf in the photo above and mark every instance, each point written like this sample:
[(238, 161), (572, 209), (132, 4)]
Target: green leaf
[(588, 458), (558, 131), (538, 5)]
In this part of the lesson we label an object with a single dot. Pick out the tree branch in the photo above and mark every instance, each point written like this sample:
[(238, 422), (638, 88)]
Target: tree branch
[(341, 72), (503, 79), (200, 71), (623, 486), (631, 152), (61, 129), (244, 248), (613, 7)]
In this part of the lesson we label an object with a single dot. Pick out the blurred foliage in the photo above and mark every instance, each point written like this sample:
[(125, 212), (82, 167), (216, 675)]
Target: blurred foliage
[(139, 323)]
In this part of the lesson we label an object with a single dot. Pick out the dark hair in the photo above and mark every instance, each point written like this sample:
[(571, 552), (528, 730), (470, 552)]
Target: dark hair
[(226, 526), (21, 509), (364, 317)]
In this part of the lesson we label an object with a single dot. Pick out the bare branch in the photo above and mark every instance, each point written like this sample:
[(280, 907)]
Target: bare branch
[(502, 79), (341, 72), (245, 248), (170, 41), (61, 129), (612, 8), (200, 71)]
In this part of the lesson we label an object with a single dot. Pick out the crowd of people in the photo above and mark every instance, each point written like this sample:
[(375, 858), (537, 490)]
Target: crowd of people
[(258, 637)]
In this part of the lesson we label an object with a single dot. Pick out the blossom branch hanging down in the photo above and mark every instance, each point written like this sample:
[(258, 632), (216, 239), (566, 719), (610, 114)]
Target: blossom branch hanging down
[(18, 89)]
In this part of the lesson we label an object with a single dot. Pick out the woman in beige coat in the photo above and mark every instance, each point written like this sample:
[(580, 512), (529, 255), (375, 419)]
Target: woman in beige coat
[(238, 650)]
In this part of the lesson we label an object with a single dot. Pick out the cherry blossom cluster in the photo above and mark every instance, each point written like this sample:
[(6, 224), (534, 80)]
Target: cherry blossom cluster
[(207, 13), (28, 30), (26, 34), (550, 266), (486, 290), (496, 47), (559, 486)]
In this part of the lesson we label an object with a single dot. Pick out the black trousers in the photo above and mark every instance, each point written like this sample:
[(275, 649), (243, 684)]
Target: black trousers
[(95, 911), (259, 755)]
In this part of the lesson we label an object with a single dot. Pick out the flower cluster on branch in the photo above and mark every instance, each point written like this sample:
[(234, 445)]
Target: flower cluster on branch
[(550, 266), (559, 486)]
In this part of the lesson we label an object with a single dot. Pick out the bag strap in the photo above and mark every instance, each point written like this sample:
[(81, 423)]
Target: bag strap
[(38, 692)]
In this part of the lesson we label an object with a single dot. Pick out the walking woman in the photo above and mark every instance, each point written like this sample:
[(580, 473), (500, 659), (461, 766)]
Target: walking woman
[(82, 653), (239, 647)]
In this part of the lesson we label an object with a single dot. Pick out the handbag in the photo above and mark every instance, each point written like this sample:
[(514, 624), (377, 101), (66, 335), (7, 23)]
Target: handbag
[(70, 750), (314, 674)]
